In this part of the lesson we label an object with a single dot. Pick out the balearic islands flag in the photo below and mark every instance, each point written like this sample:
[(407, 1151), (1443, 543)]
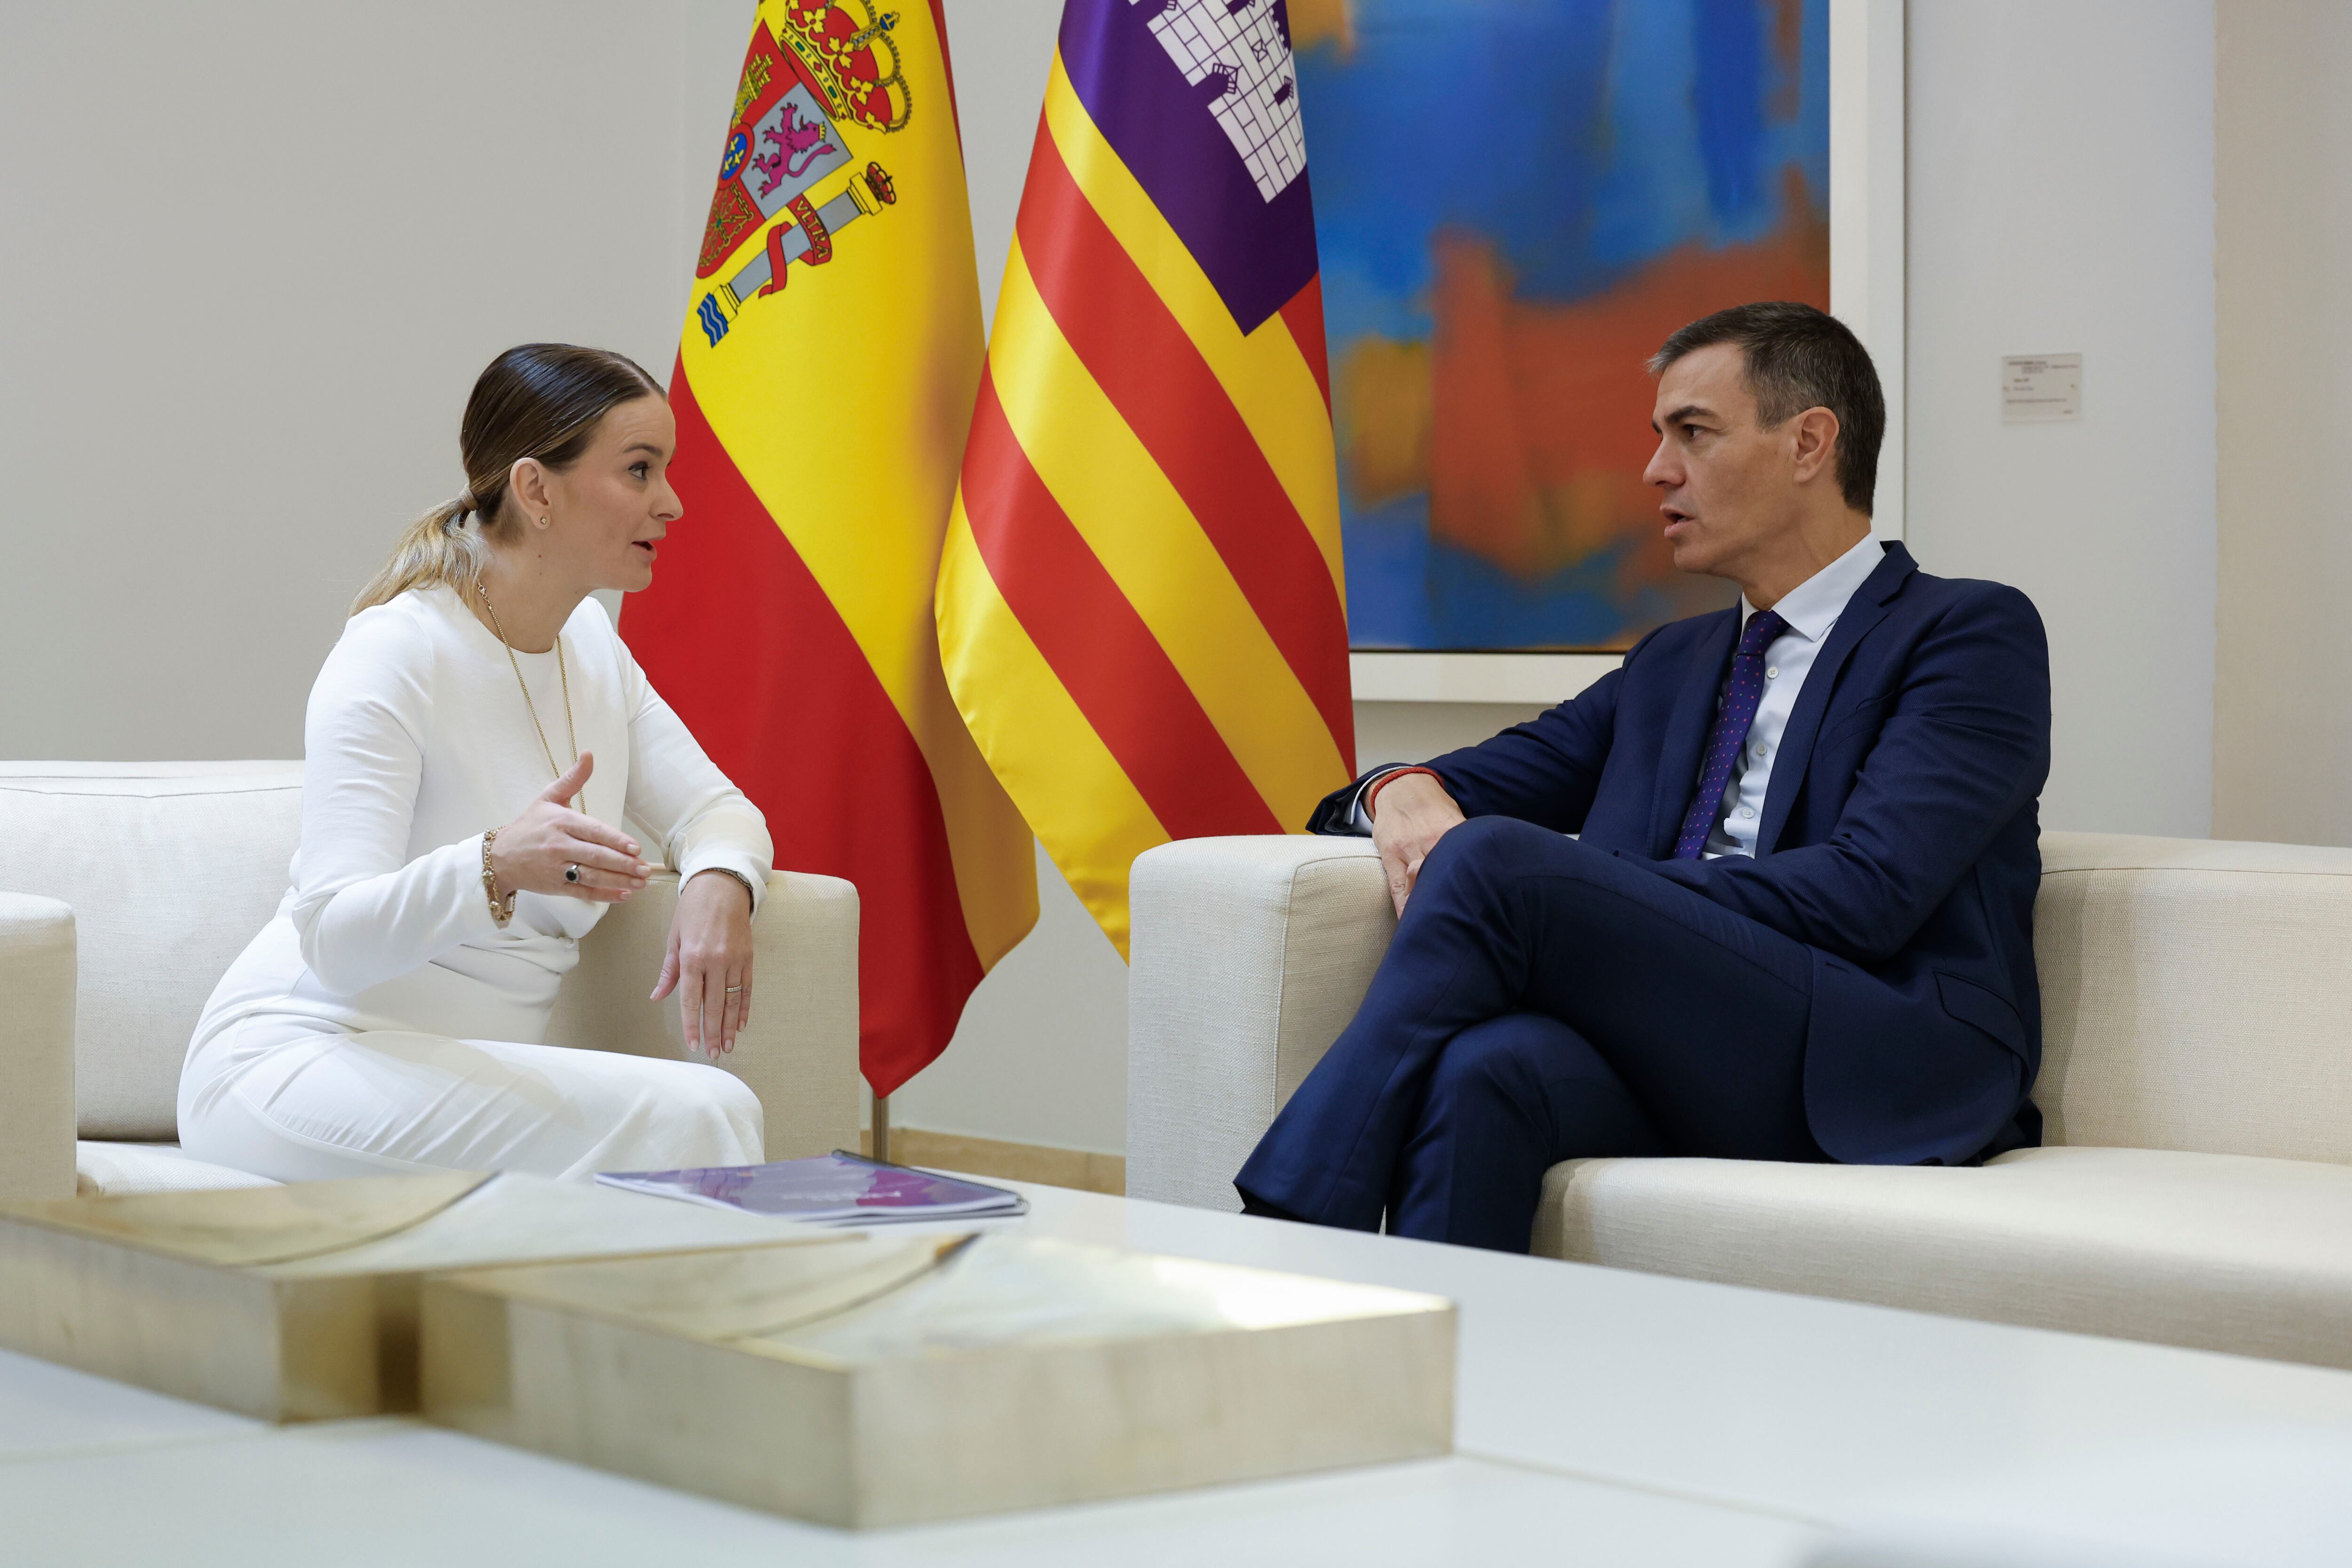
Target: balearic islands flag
[(823, 383), (1140, 601)]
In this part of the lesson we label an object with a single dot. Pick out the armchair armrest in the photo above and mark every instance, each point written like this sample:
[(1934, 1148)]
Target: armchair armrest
[(800, 1053), (37, 1049), (1247, 958)]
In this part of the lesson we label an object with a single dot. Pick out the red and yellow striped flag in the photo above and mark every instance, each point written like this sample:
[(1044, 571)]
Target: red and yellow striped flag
[(1140, 603), (823, 384)]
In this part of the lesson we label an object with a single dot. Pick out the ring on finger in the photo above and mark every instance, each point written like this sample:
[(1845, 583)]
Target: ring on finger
[(572, 872)]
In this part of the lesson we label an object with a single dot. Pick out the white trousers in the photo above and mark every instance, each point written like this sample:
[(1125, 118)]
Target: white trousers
[(290, 1098)]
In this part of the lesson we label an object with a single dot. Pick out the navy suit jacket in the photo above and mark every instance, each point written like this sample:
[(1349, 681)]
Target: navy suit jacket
[(1899, 841)]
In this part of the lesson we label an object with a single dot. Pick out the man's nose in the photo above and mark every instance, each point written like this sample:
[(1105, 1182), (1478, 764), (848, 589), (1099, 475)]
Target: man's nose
[(1661, 470)]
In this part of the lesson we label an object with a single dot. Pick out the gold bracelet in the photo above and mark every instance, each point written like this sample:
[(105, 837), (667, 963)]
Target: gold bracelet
[(501, 911)]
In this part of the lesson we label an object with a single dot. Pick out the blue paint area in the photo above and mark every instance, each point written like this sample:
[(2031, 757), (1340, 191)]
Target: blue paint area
[(1480, 114), (1576, 606), (1470, 604), (1389, 545), (1583, 139), (1727, 88)]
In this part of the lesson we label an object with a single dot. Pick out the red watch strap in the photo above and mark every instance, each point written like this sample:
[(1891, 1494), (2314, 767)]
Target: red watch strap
[(1385, 780)]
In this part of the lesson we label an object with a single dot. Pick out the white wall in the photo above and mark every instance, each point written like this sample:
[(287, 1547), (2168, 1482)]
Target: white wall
[(251, 259), (2283, 724), (2061, 183)]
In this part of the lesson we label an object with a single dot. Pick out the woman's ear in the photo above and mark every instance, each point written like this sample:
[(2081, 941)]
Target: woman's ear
[(527, 480)]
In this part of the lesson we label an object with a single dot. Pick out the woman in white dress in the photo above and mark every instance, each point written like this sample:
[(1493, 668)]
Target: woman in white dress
[(473, 746)]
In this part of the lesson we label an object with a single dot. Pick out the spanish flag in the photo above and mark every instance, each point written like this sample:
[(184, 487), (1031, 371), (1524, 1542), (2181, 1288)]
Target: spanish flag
[(1141, 604), (824, 380)]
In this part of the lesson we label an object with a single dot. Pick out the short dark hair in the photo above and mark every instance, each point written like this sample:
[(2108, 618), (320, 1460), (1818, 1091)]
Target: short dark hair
[(1800, 358)]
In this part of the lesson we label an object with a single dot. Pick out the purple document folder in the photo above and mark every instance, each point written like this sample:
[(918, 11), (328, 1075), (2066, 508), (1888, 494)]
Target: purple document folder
[(839, 1188)]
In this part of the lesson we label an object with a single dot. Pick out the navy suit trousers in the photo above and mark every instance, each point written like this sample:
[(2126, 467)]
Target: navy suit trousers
[(1543, 1000)]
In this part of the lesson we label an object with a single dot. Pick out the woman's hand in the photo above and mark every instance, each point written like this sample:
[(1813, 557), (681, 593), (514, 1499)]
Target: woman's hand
[(529, 854), (709, 962), (1409, 817)]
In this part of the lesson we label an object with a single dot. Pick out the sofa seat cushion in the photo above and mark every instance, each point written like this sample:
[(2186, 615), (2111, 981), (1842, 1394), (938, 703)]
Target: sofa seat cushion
[(117, 1170), (2228, 1252)]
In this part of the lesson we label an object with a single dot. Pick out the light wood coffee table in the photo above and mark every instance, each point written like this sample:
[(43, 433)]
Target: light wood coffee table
[(1605, 1418)]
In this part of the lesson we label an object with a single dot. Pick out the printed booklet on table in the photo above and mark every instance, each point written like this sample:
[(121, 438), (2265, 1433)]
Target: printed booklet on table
[(839, 1188)]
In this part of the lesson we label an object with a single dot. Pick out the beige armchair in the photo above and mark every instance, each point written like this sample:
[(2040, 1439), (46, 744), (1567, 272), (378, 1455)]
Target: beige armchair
[(36, 1081), (2196, 1183), (148, 879)]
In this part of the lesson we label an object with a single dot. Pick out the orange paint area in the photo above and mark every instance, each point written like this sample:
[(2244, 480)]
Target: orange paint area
[(1314, 22), (1527, 422)]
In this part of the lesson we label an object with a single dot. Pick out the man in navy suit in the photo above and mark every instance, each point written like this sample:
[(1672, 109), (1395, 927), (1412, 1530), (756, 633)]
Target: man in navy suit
[(1796, 922)]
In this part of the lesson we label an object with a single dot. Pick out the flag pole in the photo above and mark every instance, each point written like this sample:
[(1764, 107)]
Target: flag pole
[(882, 1127)]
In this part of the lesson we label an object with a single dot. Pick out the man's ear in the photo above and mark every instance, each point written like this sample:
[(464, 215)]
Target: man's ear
[(1816, 440)]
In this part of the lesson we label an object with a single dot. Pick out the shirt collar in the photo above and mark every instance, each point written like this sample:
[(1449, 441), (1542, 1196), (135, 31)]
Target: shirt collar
[(1812, 607)]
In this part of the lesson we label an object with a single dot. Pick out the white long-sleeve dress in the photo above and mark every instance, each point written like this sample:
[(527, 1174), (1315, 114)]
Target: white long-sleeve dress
[(383, 1020)]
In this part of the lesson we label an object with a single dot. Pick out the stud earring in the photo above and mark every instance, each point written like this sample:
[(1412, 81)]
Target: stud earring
[(543, 523)]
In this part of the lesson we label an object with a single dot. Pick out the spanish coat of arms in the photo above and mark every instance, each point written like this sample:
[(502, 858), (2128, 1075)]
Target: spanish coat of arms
[(828, 67)]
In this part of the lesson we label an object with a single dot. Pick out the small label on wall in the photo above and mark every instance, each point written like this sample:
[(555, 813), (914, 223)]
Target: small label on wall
[(2037, 387)]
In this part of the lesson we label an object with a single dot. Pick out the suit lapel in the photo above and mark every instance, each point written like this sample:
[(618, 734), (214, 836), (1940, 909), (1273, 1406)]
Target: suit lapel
[(1686, 731), (1862, 612)]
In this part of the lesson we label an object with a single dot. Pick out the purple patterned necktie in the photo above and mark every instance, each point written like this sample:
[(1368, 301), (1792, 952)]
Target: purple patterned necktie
[(1730, 731)]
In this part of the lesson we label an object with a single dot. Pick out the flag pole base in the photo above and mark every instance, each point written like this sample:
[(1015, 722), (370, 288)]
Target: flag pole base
[(882, 1127)]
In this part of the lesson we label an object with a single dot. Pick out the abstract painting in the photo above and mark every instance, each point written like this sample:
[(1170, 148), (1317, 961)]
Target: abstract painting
[(1516, 201)]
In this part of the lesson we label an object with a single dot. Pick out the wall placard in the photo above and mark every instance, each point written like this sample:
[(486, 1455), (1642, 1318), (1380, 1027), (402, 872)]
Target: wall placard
[(2037, 388)]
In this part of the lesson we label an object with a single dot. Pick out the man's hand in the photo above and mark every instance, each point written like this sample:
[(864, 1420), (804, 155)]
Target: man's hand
[(709, 962), (1408, 819)]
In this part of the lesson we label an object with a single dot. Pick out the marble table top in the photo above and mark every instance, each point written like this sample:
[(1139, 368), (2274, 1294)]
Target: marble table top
[(1603, 1416)]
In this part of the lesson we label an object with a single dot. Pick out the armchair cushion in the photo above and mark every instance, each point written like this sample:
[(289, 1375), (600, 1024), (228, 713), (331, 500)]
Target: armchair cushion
[(2223, 1252), (116, 1170)]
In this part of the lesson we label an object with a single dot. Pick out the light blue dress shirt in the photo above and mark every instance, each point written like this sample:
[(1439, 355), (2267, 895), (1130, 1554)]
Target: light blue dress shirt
[(1811, 608)]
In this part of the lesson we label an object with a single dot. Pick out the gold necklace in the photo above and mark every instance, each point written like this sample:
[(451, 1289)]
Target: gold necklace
[(562, 674)]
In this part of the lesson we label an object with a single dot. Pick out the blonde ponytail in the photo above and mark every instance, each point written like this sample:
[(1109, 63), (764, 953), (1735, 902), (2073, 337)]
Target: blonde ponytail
[(437, 548), (541, 401)]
